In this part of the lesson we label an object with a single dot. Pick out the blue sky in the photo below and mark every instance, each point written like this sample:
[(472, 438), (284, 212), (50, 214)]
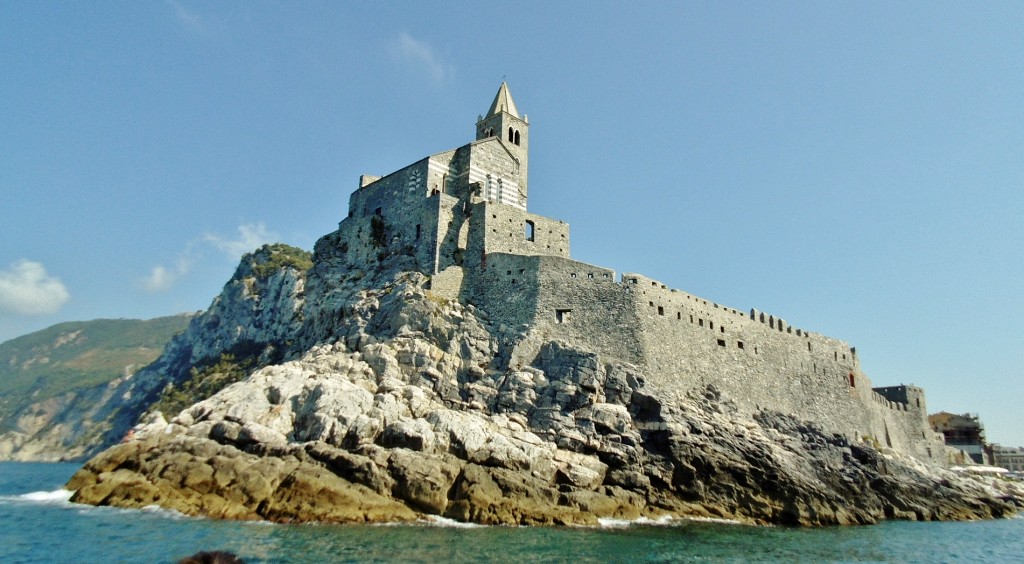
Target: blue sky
[(855, 168)]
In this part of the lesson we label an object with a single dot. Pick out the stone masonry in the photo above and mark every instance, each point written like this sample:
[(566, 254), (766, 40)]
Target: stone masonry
[(462, 214)]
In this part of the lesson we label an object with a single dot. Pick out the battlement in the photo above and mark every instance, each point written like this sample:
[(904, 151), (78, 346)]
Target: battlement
[(462, 215)]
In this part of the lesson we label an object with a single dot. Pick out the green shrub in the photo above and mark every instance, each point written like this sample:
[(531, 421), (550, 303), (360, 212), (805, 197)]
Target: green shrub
[(202, 383), (378, 232), (272, 258)]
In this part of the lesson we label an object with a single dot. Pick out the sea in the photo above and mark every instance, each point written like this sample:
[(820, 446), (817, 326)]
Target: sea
[(39, 524)]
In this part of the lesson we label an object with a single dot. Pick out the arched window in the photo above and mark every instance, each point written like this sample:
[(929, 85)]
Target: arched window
[(517, 138), (510, 137)]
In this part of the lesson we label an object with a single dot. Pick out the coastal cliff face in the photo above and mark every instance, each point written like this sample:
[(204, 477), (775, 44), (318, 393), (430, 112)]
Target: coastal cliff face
[(251, 322), (398, 403)]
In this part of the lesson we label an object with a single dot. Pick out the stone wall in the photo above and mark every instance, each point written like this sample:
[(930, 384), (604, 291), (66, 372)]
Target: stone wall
[(682, 341), (462, 214), (499, 228)]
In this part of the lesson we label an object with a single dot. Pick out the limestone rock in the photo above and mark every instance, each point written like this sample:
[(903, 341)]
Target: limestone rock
[(409, 410)]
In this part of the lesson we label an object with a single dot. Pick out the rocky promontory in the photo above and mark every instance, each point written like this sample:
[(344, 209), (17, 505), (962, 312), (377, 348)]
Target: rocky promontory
[(387, 402)]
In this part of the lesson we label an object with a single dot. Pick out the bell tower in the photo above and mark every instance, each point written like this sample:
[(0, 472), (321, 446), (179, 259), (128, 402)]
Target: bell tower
[(504, 122)]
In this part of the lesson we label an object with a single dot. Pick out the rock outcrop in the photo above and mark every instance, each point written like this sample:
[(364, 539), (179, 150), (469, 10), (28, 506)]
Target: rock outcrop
[(402, 404)]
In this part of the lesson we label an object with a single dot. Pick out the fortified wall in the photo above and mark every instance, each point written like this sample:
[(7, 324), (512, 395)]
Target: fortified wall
[(462, 215)]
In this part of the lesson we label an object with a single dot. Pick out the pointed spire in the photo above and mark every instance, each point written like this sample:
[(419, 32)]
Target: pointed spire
[(503, 102)]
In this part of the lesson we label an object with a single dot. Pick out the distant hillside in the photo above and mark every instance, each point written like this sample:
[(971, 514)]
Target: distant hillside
[(73, 356)]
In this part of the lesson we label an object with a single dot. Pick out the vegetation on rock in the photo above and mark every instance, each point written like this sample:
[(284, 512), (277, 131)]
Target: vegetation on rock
[(271, 258), (202, 383)]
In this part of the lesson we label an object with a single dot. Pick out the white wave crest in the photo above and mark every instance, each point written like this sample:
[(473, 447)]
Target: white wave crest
[(621, 523), (56, 496), (438, 521)]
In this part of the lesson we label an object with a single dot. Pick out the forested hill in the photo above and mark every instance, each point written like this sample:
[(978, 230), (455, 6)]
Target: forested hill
[(77, 355)]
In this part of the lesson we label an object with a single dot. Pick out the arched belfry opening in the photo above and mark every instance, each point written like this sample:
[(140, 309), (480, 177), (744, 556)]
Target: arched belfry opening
[(504, 122)]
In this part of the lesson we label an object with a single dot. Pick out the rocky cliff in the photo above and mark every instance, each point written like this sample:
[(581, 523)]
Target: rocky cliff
[(381, 401), (251, 324)]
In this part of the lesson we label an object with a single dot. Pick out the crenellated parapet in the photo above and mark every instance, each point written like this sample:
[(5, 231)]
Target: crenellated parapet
[(462, 215)]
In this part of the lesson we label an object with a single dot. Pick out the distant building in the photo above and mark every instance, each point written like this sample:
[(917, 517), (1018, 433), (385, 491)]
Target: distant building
[(964, 432), (1011, 458)]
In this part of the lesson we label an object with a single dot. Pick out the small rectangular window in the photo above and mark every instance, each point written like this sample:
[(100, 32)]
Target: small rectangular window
[(529, 230), (661, 310), (739, 344), (721, 342), (562, 315)]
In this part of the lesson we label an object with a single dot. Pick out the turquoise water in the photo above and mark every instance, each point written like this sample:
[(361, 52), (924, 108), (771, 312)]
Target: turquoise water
[(38, 525)]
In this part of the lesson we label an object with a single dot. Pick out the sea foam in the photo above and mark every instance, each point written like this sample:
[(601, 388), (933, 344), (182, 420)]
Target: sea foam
[(56, 496)]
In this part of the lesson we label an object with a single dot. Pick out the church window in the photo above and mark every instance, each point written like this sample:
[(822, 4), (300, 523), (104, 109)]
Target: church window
[(510, 136), (529, 230), (516, 141)]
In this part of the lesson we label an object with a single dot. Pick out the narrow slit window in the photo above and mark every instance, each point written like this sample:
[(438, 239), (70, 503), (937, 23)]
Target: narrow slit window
[(530, 229)]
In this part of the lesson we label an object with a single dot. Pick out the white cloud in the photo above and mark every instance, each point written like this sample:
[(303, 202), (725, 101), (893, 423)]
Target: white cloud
[(421, 55), (161, 278), (250, 237), (26, 288)]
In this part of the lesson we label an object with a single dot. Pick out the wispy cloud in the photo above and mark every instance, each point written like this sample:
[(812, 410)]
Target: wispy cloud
[(162, 278), (188, 19), (27, 289), (420, 55), (250, 236)]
